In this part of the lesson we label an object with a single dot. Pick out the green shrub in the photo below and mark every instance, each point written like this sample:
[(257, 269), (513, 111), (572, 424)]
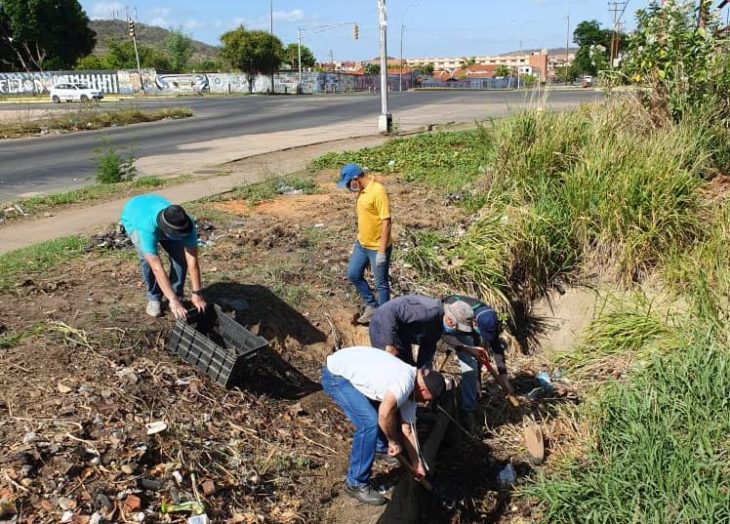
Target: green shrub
[(111, 167)]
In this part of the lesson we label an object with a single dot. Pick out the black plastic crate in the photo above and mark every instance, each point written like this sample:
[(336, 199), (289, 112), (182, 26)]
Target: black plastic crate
[(216, 344)]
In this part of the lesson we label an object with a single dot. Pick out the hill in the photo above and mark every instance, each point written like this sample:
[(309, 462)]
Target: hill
[(147, 35)]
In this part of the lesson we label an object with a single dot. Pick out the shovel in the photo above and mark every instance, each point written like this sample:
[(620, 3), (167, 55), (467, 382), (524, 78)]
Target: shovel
[(500, 380)]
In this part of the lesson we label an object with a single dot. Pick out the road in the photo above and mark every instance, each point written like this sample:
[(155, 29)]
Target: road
[(222, 127)]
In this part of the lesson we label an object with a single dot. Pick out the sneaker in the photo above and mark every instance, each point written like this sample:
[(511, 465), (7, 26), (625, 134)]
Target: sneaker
[(387, 459), (367, 315), (154, 308), (365, 494)]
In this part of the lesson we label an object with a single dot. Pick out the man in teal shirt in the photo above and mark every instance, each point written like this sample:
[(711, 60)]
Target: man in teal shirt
[(151, 221)]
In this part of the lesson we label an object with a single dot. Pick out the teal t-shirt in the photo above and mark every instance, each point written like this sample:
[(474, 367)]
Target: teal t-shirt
[(139, 217)]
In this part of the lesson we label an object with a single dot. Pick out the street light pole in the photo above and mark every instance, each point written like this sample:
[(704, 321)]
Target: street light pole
[(385, 119), (567, 54), (402, 20), (271, 17)]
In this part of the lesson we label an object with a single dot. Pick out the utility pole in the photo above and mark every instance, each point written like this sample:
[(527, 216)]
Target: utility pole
[(299, 52), (617, 8), (271, 17), (385, 120), (133, 36)]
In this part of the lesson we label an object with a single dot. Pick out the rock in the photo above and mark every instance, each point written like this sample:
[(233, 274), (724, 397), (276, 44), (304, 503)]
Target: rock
[(177, 476), (67, 516), (30, 437), (95, 519), (132, 503), (128, 375), (150, 484), (138, 517), (102, 501), (66, 503), (208, 488), (63, 388), (27, 482), (127, 469)]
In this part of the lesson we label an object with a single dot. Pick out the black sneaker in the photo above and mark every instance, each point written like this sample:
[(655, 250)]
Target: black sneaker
[(387, 459), (366, 495)]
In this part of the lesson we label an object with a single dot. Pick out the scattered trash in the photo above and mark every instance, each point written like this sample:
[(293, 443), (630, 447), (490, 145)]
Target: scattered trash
[(199, 519), (67, 517), (177, 476), (111, 240), (189, 506), (506, 476), (63, 388), (536, 393), (156, 427), (544, 379), (318, 226), (284, 189), (30, 437)]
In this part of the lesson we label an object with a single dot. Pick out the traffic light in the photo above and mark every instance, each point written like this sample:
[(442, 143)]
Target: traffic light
[(355, 32), (131, 28)]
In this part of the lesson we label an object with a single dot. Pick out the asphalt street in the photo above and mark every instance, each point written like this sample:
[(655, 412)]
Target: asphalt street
[(54, 163)]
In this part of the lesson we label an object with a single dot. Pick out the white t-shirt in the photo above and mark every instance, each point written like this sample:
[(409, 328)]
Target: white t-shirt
[(373, 372)]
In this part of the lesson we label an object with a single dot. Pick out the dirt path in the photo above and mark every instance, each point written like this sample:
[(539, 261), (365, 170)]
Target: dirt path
[(88, 219)]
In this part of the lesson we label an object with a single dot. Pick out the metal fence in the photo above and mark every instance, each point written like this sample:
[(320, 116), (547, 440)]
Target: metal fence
[(509, 82)]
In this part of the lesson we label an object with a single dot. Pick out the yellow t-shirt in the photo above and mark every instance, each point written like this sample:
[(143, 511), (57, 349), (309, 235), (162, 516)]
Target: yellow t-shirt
[(373, 206)]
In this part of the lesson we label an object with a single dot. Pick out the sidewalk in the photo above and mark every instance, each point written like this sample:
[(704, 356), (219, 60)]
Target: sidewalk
[(255, 168)]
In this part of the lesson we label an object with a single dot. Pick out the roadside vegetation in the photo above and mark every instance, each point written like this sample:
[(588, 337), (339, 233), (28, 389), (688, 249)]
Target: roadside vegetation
[(86, 118), (34, 206), (624, 195), (24, 263)]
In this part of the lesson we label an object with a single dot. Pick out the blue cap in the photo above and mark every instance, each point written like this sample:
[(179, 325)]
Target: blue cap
[(348, 173)]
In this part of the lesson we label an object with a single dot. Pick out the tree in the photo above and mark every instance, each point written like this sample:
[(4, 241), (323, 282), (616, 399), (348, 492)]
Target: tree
[(593, 43), (120, 55), (179, 49), (253, 52), (503, 70), (371, 69), (466, 62), (44, 34), (291, 56), (425, 69)]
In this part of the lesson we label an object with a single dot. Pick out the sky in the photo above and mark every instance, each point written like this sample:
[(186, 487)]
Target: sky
[(430, 28)]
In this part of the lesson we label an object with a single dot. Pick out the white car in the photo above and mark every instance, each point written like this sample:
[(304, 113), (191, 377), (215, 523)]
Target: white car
[(74, 93)]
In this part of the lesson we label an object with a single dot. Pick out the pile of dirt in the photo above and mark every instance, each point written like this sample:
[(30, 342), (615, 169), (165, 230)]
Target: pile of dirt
[(99, 422)]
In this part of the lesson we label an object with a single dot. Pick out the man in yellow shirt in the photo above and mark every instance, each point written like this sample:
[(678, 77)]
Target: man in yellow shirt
[(374, 243)]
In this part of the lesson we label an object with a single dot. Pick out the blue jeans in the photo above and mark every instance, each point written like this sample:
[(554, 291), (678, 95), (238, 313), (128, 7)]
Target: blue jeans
[(469, 376), (368, 438), (359, 260), (178, 267)]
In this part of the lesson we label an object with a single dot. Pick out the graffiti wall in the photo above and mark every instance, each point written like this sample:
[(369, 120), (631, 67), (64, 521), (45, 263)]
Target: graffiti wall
[(128, 82), (40, 83)]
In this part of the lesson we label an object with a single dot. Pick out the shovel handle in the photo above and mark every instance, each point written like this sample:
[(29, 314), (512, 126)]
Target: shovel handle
[(500, 380), (424, 481)]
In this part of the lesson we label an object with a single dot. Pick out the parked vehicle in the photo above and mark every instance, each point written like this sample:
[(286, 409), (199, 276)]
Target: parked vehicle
[(74, 93), (586, 81)]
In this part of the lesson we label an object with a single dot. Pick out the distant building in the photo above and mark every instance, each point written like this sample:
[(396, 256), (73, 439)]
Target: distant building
[(538, 63)]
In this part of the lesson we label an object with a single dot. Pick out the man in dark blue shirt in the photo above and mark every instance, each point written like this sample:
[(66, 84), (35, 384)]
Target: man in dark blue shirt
[(471, 348), (411, 320)]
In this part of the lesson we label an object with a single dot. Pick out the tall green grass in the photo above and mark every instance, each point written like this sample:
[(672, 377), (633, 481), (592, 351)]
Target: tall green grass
[(450, 161), (660, 453)]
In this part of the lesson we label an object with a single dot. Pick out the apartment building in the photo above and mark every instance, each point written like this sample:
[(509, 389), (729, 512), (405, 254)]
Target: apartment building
[(535, 61)]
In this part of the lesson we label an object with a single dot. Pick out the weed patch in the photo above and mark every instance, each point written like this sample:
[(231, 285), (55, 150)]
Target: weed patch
[(40, 257), (89, 117), (267, 190)]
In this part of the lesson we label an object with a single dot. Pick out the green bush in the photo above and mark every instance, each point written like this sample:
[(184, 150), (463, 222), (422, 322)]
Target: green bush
[(112, 168)]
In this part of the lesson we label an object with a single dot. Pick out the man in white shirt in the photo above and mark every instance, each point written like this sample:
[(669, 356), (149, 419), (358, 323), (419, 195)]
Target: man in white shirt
[(375, 389)]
